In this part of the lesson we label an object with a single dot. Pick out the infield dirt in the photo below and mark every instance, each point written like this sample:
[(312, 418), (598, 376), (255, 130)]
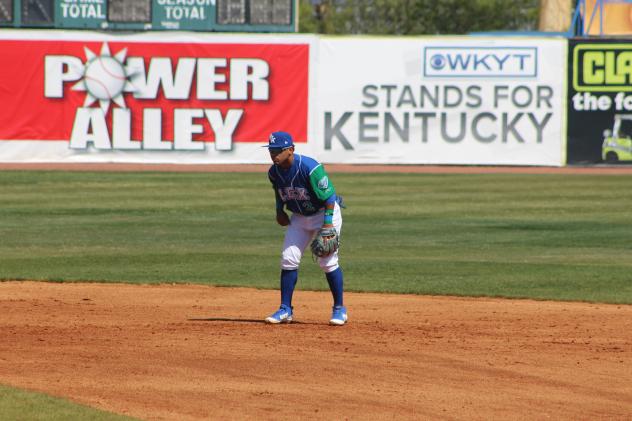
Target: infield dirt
[(185, 352)]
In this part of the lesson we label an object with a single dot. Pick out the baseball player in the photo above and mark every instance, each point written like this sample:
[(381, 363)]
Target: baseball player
[(302, 186)]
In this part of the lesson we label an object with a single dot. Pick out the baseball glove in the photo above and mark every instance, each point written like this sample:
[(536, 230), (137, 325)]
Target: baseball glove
[(325, 242)]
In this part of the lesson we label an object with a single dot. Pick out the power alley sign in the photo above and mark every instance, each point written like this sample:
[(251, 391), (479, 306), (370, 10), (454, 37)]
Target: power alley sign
[(152, 96)]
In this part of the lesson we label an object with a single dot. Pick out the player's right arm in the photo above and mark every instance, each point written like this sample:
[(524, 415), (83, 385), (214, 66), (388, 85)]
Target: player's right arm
[(282, 218)]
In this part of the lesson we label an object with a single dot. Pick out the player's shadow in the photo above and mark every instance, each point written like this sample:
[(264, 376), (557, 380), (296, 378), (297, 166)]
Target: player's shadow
[(233, 320)]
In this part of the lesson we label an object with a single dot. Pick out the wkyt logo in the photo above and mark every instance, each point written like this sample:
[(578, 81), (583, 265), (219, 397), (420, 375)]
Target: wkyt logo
[(481, 62)]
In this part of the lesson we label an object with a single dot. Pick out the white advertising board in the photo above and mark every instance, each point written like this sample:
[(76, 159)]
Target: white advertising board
[(441, 100)]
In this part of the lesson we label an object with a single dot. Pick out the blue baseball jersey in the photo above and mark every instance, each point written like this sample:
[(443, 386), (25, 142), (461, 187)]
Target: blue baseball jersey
[(304, 187)]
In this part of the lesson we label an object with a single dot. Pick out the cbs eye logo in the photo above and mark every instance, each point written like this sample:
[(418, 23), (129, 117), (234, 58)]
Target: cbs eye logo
[(437, 61)]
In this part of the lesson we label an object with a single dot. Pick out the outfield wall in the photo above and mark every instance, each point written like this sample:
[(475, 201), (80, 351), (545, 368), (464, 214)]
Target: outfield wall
[(192, 98)]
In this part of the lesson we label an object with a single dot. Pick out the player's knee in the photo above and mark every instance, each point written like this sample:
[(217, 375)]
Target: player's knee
[(290, 258)]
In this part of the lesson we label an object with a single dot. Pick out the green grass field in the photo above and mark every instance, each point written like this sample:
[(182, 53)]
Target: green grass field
[(20, 405), (560, 237)]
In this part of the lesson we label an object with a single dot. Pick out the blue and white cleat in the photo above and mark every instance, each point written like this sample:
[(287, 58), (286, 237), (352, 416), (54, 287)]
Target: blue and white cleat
[(282, 315), (338, 316)]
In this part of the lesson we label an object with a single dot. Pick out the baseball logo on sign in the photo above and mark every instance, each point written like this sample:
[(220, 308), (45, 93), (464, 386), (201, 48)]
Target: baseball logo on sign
[(105, 77)]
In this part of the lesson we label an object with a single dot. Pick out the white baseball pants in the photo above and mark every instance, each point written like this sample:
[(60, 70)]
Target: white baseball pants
[(298, 236)]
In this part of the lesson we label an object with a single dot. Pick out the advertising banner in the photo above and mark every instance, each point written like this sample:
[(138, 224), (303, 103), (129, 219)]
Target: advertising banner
[(441, 100), (600, 101), (149, 98)]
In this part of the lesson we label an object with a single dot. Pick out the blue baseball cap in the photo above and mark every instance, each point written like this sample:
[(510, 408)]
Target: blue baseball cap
[(279, 140)]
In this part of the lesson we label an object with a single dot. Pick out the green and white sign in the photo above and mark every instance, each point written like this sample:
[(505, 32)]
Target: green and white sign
[(184, 14), (82, 13)]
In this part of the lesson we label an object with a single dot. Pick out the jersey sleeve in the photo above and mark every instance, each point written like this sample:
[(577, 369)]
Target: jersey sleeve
[(321, 185), (271, 177)]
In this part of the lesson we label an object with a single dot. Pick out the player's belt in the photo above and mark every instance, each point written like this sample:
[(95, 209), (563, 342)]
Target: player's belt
[(314, 213)]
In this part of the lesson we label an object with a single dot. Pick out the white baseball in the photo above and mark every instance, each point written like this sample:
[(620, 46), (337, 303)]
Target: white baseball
[(105, 77)]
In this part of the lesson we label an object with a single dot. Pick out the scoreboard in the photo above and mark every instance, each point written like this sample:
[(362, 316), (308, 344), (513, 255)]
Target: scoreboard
[(147, 15)]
